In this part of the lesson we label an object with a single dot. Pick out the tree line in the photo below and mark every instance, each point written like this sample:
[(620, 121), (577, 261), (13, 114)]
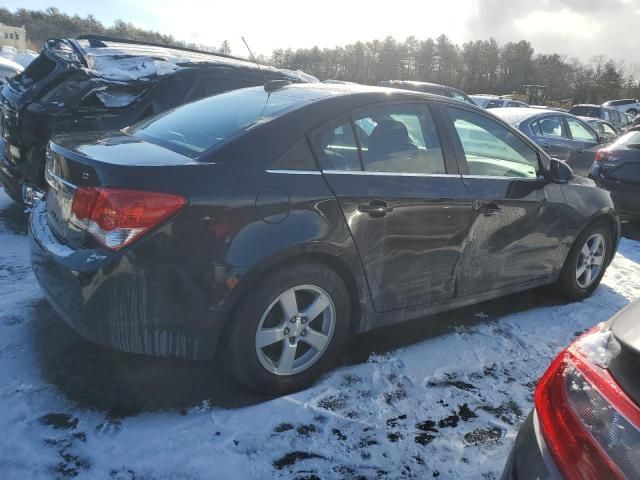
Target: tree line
[(481, 66), (52, 23)]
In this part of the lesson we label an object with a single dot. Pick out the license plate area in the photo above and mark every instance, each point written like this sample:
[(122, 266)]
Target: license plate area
[(59, 203)]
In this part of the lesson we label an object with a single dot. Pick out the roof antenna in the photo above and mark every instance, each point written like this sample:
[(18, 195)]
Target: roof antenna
[(269, 85)]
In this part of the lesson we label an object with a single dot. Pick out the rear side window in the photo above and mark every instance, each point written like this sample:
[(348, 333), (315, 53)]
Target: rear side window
[(298, 157), (552, 127), (579, 131), (403, 140), (337, 148), (196, 127), (491, 149)]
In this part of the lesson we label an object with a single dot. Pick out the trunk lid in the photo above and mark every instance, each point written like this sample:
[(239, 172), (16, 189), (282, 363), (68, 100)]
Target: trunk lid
[(96, 160), (625, 366)]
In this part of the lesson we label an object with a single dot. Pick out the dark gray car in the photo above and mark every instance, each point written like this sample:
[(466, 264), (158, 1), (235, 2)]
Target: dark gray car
[(562, 135)]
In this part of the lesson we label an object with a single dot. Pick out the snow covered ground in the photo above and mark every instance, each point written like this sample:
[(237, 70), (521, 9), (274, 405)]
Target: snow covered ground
[(445, 405)]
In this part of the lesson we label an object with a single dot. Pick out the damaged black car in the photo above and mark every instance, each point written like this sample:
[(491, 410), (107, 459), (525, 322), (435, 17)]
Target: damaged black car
[(97, 83)]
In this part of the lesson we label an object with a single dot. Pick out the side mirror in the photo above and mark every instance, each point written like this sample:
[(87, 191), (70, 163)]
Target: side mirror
[(559, 172), (603, 139)]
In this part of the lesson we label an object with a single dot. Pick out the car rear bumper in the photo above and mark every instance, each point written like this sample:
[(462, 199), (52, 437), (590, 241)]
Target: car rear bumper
[(529, 458), (125, 301), (627, 203)]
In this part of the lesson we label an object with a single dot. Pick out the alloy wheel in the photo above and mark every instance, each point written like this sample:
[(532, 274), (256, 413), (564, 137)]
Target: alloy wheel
[(295, 330), (590, 260)]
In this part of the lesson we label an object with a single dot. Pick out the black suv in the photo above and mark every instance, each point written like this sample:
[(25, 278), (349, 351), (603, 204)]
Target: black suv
[(98, 83), (608, 114)]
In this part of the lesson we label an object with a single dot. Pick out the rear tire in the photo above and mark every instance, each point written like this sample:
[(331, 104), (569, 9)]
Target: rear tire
[(586, 262), (288, 329)]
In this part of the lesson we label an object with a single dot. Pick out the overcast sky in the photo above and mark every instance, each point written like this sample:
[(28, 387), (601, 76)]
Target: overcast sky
[(577, 28)]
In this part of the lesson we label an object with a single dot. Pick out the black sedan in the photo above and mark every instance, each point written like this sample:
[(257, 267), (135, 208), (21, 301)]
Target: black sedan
[(271, 223), (562, 135), (617, 168), (586, 421)]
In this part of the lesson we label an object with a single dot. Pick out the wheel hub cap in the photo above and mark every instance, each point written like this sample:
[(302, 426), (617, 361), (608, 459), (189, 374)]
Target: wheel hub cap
[(590, 260), (295, 330)]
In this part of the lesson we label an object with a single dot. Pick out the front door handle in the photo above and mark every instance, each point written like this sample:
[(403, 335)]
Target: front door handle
[(375, 208), (488, 209)]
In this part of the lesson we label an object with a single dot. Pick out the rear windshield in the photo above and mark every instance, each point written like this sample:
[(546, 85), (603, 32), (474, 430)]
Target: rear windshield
[(36, 71), (630, 139), (211, 122), (586, 111)]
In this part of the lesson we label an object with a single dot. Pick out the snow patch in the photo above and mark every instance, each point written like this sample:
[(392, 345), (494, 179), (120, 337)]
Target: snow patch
[(446, 407), (597, 347)]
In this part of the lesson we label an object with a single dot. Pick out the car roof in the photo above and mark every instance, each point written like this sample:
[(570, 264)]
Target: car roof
[(414, 83), (592, 119), (319, 91), (590, 105), (515, 116), (621, 101)]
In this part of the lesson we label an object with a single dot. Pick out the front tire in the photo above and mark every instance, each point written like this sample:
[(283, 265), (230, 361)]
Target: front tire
[(586, 263), (288, 330)]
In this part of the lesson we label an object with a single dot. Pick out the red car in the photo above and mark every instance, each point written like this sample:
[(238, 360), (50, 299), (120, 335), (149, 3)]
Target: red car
[(586, 420)]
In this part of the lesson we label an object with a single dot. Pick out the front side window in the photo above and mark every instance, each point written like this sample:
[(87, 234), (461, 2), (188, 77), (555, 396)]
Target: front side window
[(491, 149), (403, 140), (607, 130), (494, 104), (580, 131)]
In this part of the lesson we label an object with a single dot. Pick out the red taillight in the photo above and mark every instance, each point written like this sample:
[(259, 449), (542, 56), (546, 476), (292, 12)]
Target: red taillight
[(592, 428), (603, 155), (115, 217)]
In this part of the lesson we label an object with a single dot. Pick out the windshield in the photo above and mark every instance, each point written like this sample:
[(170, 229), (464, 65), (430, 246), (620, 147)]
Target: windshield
[(211, 122)]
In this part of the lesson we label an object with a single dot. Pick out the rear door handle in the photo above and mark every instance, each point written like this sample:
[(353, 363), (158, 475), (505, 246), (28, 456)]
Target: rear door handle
[(488, 209), (375, 208)]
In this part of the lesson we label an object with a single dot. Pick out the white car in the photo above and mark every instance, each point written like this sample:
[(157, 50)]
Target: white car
[(627, 105), (494, 101)]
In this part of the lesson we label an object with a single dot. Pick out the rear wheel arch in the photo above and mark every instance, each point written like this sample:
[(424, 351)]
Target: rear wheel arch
[(330, 260)]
